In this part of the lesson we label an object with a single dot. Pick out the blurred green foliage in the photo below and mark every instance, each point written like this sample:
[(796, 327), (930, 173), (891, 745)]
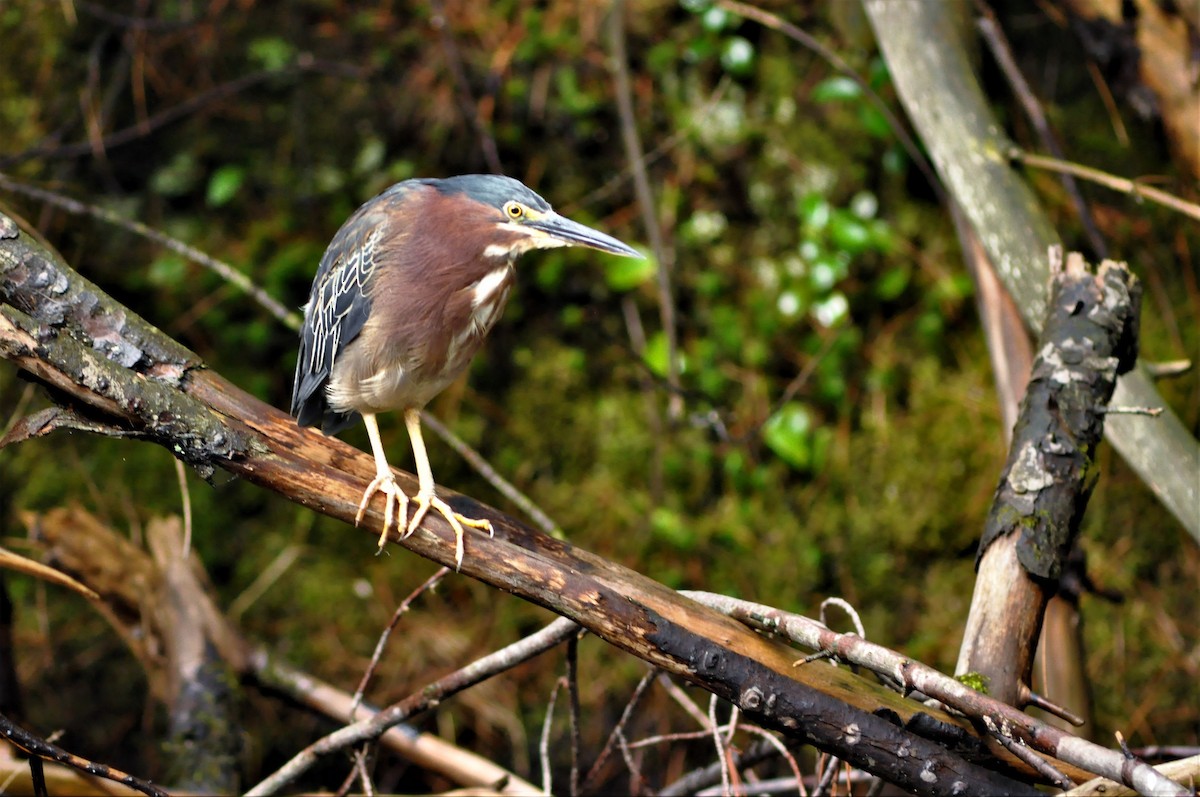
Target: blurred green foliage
[(840, 432)]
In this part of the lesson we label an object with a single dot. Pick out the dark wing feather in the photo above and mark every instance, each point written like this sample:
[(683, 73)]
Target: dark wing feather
[(338, 308)]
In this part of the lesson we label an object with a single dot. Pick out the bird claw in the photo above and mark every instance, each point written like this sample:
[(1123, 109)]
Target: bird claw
[(426, 500), (393, 496)]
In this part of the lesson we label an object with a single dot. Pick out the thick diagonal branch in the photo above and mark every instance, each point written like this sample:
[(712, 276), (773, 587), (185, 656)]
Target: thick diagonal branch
[(151, 387)]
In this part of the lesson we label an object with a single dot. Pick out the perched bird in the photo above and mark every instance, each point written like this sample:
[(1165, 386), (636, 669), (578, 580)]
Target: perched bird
[(404, 296)]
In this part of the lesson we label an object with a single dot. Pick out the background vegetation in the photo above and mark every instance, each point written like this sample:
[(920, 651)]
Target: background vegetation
[(839, 433)]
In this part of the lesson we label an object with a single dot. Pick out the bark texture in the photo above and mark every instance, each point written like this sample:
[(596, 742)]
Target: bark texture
[(1088, 339), (132, 381)]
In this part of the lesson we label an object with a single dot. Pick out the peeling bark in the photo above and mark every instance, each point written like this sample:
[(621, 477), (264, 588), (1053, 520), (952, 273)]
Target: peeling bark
[(1089, 338)]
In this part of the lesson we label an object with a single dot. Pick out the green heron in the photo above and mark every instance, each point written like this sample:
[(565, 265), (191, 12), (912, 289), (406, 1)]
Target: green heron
[(404, 296)]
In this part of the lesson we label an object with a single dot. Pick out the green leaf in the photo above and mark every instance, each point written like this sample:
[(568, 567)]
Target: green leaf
[(892, 283), (178, 177), (874, 122), (626, 273), (882, 239), (848, 233), (224, 185), (167, 270), (572, 316), (655, 355), (370, 157), (737, 55), (714, 19), (838, 88), (814, 211), (789, 434), (669, 525), (272, 52)]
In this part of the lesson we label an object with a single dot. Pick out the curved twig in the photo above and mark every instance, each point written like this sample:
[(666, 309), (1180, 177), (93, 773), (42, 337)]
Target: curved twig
[(428, 697), (1122, 185)]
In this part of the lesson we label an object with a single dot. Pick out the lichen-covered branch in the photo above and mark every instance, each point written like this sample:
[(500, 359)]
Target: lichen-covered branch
[(1089, 338)]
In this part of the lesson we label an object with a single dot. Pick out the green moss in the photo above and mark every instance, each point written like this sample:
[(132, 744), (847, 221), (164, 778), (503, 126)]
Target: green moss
[(974, 680)]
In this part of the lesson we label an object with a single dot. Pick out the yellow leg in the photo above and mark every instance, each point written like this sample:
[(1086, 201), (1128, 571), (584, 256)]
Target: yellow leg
[(384, 482), (426, 497)]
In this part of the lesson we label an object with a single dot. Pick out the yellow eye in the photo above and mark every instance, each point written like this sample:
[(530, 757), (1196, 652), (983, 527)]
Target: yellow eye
[(513, 210)]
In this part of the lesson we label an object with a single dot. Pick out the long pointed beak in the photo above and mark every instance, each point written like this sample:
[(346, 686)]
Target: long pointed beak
[(572, 233)]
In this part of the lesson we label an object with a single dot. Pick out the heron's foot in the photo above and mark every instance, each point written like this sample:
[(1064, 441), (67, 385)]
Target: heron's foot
[(393, 498), (426, 500)]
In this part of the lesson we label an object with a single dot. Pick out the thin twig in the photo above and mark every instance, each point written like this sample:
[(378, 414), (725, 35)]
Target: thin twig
[(1110, 105), (705, 776), (1119, 184), (544, 739), (222, 269), (685, 702), (37, 776), (470, 109), (715, 731), (181, 474), (665, 738), (1017, 748), (786, 754), (429, 584), (573, 710), (1153, 412), (1026, 697), (619, 728), (40, 748), (19, 410), (485, 469), (361, 757), (265, 579), (635, 773), (997, 42), (351, 777), (827, 773), (1167, 369), (849, 609), (431, 695), (144, 127), (645, 198), (423, 749)]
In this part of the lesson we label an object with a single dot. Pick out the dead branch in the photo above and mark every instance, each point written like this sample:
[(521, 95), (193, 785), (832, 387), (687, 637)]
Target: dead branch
[(116, 374), (1185, 770), (42, 750), (935, 80), (427, 697), (1088, 339), (141, 594), (1075, 756)]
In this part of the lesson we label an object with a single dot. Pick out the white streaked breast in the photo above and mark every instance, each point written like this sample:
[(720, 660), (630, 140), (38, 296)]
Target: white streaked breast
[(486, 287)]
